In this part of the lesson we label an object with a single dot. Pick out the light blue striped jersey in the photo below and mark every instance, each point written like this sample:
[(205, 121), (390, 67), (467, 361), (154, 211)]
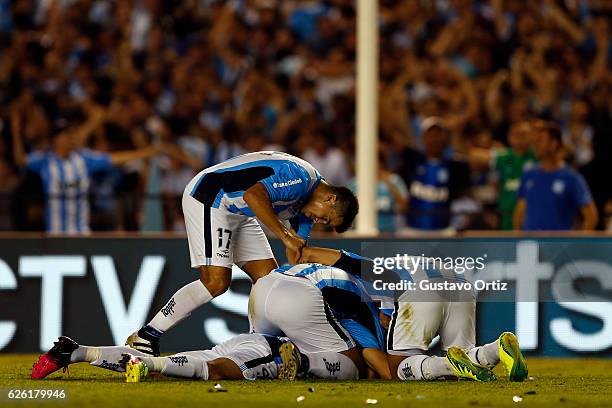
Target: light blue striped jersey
[(288, 180), (348, 299), (66, 185)]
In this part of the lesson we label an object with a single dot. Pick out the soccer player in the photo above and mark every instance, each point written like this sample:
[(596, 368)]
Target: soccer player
[(246, 356), (551, 195), (220, 204), (327, 314), (66, 170), (417, 318), (509, 164)]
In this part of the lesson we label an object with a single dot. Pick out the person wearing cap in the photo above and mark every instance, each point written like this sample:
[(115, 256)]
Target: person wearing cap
[(433, 180), (66, 170)]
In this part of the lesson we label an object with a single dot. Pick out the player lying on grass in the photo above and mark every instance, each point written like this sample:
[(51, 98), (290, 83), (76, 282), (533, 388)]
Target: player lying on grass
[(246, 356), (326, 313), (220, 204), (418, 317)]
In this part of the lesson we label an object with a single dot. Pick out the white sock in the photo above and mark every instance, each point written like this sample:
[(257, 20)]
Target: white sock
[(183, 302), (104, 357), (178, 365), (332, 365), (84, 354), (422, 367), (487, 355)]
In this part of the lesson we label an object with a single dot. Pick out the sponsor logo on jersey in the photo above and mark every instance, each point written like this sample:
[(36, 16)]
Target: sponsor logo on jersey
[(512, 184), (429, 193), (332, 368), (169, 308), (287, 183), (221, 255), (558, 186), (179, 360)]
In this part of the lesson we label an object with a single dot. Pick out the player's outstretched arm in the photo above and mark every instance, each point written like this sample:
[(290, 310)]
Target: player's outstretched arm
[(258, 200), (118, 158), (325, 256)]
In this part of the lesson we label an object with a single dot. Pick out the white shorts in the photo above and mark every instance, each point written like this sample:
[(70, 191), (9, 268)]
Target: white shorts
[(229, 239), (251, 352), (292, 306), (414, 325)]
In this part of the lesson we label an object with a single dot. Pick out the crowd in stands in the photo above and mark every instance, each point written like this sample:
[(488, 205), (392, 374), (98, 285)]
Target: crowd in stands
[(106, 105)]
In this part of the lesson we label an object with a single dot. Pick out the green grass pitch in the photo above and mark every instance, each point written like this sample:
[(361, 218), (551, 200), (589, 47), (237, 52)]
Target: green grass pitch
[(556, 383)]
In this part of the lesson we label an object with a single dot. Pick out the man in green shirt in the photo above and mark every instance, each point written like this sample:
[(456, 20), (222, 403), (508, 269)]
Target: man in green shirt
[(509, 163)]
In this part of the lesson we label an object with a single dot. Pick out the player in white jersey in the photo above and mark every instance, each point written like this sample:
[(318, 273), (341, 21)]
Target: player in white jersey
[(220, 205), (327, 314), (245, 356), (418, 317)]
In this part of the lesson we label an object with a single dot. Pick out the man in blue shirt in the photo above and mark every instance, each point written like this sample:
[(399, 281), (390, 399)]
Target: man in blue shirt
[(224, 206), (551, 195), (433, 180)]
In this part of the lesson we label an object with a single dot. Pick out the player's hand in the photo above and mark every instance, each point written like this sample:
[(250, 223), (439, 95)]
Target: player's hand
[(293, 244), (293, 257)]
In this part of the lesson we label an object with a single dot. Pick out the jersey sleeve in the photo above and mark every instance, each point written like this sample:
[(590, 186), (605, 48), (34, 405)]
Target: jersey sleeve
[(96, 161), (580, 190), (498, 155), (302, 225), (36, 161), (290, 182), (398, 182), (364, 337), (521, 191), (353, 264)]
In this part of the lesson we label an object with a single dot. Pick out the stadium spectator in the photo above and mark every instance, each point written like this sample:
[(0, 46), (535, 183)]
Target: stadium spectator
[(220, 71), (509, 164), (433, 180), (66, 170), (391, 198), (552, 195), (329, 160)]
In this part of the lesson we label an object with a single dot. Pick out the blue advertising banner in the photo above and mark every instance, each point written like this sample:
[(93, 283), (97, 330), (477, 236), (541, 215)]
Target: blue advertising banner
[(100, 289)]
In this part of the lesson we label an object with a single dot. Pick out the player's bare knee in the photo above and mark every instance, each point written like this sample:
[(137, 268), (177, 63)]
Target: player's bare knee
[(216, 287), (216, 282)]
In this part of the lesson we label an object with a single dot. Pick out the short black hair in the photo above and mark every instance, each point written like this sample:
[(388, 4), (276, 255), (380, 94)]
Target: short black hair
[(348, 207)]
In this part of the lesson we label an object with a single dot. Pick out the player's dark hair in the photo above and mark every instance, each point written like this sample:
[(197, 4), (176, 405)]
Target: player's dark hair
[(348, 207)]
